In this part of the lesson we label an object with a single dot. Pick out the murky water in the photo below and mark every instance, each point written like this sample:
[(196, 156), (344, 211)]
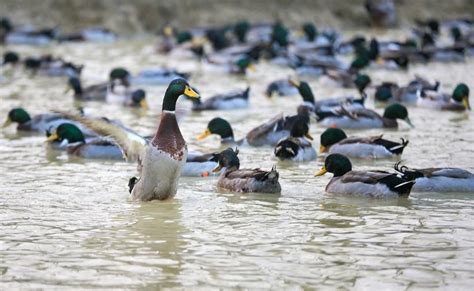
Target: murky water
[(69, 222)]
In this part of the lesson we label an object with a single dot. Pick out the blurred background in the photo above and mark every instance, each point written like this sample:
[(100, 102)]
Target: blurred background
[(139, 16)]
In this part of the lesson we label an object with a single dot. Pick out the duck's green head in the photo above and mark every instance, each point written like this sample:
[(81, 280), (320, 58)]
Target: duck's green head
[(310, 31), (300, 127), (217, 126), (139, 99), (244, 64), (18, 115), (461, 94), (183, 36), (10, 58), (175, 89), (280, 34), (304, 89), (337, 164), (361, 61), (119, 74), (383, 94), (227, 159), (68, 132), (240, 30), (362, 81), (330, 137), (397, 111)]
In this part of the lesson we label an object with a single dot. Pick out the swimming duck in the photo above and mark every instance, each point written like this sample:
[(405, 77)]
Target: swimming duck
[(97, 92), (439, 179), (26, 35), (52, 66), (363, 117), (457, 101), (335, 140), (160, 160), (245, 180), (374, 184), (69, 137), (232, 65), (268, 133), (228, 101), (37, 123), (157, 77), (391, 92), (280, 88), (296, 147)]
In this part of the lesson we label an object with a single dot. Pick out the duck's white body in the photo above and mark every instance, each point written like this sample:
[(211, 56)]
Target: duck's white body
[(346, 122), (159, 175), (361, 150)]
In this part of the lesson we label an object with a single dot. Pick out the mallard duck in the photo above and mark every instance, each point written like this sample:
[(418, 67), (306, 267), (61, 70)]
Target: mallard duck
[(329, 104), (69, 137), (160, 160), (268, 133), (439, 179), (334, 140), (232, 65), (227, 101), (96, 92), (157, 77), (296, 147), (363, 117), (245, 180), (457, 101), (391, 92), (27, 35), (38, 123), (52, 66), (374, 184), (280, 88)]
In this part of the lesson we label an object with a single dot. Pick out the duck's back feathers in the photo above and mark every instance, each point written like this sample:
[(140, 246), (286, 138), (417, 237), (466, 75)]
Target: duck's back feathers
[(390, 146), (251, 180)]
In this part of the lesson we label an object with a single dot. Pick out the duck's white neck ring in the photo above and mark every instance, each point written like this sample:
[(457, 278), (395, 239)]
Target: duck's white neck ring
[(168, 111)]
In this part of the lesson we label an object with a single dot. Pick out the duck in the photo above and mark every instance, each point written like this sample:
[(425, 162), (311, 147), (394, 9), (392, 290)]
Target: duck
[(38, 123), (296, 147), (335, 140), (26, 35), (444, 180), (69, 137), (457, 101), (158, 76), (268, 133), (373, 184), (161, 159), (389, 92), (245, 180), (358, 118), (52, 66), (226, 101), (232, 65), (280, 88), (306, 93)]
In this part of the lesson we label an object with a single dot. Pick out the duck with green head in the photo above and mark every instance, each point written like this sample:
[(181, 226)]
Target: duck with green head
[(373, 184), (296, 147), (161, 159), (268, 133), (335, 140), (245, 180), (457, 101), (357, 118)]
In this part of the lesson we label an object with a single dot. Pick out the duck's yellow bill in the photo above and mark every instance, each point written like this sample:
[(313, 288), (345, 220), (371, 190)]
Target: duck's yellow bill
[(308, 136), (465, 102), (53, 137), (251, 68), (321, 172), (188, 91), (294, 83), (322, 149), (144, 104), (203, 135), (7, 122), (218, 168), (168, 31)]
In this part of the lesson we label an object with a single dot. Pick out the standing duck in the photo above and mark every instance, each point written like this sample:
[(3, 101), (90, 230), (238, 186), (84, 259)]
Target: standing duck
[(457, 101), (160, 160), (245, 180), (296, 147), (439, 179), (375, 184), (334, 140), (364, 118)]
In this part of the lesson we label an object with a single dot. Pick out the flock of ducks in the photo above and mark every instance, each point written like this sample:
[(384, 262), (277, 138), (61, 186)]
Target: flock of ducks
[(234, 49)]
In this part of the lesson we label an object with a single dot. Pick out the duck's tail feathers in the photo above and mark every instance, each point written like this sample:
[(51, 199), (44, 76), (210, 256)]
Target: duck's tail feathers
[(398, 149)]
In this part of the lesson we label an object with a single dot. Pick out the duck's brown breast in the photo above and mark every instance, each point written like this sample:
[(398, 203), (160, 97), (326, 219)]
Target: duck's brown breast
[(168, 137)]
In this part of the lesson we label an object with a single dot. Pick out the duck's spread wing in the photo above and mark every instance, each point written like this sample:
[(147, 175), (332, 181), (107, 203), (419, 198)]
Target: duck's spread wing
[(265, 128), (131, 143)]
